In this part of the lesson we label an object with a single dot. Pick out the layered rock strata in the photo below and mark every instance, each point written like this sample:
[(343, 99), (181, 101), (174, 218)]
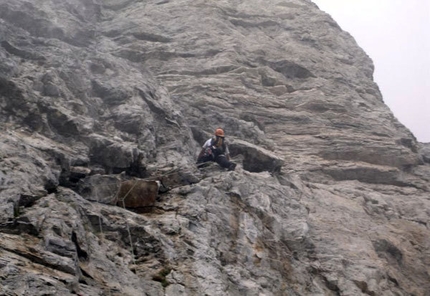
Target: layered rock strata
[(330, 197)]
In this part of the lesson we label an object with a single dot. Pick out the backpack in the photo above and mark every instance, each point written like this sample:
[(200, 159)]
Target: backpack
[(216, 151)]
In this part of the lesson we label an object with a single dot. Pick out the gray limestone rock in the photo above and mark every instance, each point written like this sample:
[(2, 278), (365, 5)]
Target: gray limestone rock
[(330, 195), (425, 152)]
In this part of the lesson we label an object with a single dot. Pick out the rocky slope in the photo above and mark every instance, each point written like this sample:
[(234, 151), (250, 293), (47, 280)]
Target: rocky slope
[(331, 195)]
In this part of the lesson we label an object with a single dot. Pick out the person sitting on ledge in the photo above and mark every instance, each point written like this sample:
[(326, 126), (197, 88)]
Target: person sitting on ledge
[(216, 149)]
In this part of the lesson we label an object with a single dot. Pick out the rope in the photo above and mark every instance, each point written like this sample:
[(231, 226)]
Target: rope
[(122, 201), (126, 222), (100, 218), (97, 41), (152, 178)]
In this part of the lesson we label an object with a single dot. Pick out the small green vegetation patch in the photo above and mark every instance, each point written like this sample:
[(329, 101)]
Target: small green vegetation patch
[(161, 276)]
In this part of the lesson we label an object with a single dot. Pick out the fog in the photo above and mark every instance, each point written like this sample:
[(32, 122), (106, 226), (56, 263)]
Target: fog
[(395, 34)]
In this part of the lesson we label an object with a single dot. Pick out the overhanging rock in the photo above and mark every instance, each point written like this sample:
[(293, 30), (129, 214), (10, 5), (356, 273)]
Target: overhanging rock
[(256, 159)]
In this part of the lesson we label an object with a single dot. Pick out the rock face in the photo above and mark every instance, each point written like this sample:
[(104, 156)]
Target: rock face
[(331, 195)]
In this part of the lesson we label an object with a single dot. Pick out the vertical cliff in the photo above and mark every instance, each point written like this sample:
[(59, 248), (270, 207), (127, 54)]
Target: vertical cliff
[(331, 192)]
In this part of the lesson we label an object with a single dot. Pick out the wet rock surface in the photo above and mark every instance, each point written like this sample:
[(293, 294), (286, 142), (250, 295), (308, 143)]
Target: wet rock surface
[(330, 195)]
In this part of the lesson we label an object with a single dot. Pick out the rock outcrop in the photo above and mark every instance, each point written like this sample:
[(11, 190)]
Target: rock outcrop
[(330, 197)]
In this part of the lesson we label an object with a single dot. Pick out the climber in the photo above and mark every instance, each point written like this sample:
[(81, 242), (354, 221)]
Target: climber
[(216, 149)]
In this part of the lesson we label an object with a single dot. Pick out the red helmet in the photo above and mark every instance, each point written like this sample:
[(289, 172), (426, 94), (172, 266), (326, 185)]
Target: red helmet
[(219, 132)]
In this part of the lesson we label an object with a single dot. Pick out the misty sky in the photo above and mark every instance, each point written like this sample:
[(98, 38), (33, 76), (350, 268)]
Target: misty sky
[(396, 35)]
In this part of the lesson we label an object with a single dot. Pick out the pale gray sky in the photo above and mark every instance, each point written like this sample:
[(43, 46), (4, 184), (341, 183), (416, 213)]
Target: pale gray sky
[(396, 35)]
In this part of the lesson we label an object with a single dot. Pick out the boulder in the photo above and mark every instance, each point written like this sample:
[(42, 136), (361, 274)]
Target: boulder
[(255, 158), (137, 194)]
